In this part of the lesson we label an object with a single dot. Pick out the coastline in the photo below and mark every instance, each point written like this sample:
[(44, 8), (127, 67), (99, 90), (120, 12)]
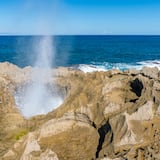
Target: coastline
[(111, 114)]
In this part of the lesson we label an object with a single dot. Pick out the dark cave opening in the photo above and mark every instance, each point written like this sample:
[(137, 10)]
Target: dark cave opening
[(136, 87), (103, 130)]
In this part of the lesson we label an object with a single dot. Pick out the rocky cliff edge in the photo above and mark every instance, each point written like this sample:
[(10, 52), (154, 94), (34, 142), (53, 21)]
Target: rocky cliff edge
[(105, 115)]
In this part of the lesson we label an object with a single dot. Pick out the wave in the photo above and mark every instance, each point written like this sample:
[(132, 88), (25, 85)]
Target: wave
[(105, 66), (90, 68), (150, 63)]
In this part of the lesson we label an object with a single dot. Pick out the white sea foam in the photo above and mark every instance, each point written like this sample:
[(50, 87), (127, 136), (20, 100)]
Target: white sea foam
[(105, 66), (151, 63), (90, 68)]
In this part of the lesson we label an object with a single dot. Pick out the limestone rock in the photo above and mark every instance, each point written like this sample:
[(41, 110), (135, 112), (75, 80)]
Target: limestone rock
[(150, 72), (74, 130), (48, 155), (144, 112), (111, 108), (105, 115), (31, 145), (9, 155), (122, 135), (112, 159), (133, 72)]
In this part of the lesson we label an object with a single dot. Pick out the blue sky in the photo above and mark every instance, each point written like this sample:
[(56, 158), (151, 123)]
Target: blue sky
[(80, 17)]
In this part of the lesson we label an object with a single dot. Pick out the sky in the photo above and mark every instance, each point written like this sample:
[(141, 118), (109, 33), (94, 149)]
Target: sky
[(70, 17)]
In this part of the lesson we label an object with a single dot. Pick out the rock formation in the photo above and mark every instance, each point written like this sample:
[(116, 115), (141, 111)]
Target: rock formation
[(105, 115)]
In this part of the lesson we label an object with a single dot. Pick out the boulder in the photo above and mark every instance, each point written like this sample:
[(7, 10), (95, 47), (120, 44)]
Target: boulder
[(70, 132)]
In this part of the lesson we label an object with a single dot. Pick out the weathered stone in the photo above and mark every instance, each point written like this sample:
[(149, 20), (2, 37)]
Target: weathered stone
[(9, 155), (48, 155), (74, 130), (111, 109), (133, 72), (144, 112), (150, 72), (105, 115), (30, 145)]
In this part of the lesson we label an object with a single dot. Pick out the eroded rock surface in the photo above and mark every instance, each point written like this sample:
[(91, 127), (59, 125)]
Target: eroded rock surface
[(105, 115)]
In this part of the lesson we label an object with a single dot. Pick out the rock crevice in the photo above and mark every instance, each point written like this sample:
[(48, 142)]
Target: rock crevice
[(103, 130), (105, 115)]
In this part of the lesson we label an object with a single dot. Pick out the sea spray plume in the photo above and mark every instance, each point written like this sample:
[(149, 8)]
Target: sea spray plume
[(45, 52), (38, 99)]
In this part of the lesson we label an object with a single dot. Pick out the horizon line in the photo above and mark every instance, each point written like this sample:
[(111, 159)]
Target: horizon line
[(79, 34)]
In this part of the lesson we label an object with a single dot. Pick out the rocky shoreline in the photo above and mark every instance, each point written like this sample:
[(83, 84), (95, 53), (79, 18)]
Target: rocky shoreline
[(105, 115)]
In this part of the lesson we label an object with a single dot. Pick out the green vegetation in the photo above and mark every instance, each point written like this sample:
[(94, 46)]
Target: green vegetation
[(21, 134)]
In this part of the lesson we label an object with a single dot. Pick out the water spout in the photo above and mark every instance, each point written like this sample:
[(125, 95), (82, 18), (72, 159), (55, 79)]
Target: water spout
[(37, 97)]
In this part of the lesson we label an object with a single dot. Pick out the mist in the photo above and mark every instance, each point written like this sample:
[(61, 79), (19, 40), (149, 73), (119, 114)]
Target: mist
[(40, 95)]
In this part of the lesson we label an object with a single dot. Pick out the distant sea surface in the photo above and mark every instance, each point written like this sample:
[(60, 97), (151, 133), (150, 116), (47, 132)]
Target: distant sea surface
[(88, 53)]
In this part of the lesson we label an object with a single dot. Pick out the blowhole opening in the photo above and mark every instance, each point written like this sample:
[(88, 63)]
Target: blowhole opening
[(35, 99)]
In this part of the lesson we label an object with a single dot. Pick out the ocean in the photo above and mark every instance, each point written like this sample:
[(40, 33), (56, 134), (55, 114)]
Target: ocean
[(88, 53)]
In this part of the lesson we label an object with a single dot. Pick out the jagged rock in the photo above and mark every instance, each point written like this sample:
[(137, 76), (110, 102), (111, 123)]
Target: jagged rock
[(112, 159), (48, 155), (127, 133), (133, 72), (65, 136), (114, 72), (105, 115), (122, 134), (14, 73), (9, 155), (74, 130), (144, 112), (111, 108), (150, 72), (30, 145), (31, 150), (110, 86)]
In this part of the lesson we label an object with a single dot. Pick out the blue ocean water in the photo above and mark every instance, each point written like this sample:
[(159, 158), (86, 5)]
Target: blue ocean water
[(86, 52)]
